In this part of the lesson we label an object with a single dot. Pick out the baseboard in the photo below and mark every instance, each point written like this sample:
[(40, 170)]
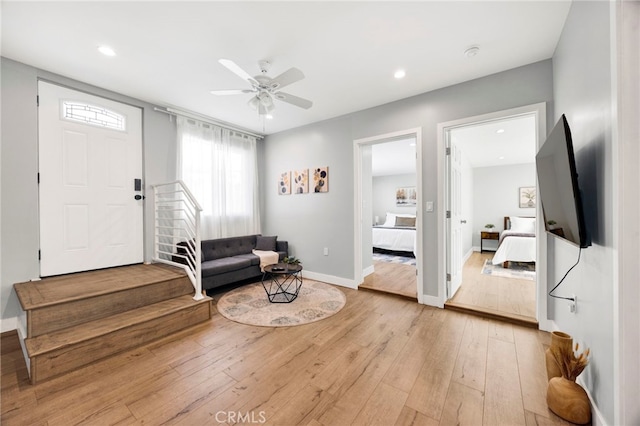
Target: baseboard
[(368, 271), (9, 324), (468, 254), (330, 279), (432, 301), (547, 325)]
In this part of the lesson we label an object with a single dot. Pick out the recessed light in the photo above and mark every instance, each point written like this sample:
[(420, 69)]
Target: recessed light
[(412, 144), (399, 74), (269, 117), (500, 131), (106, 50), (500, 158), (472, 51)]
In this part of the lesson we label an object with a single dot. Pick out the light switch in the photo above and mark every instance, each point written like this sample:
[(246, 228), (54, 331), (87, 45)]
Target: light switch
[(429, 206)]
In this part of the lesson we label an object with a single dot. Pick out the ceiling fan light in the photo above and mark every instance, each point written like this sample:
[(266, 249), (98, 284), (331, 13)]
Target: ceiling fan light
[(254, 102), (266, 100)]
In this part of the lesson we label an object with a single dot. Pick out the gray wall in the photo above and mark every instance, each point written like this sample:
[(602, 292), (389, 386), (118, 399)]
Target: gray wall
[(582, 91), (384, 195), (496, 195), (19, 196), (327, 219)]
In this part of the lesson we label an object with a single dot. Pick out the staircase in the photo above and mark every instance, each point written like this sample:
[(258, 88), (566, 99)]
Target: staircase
[(78, 319)]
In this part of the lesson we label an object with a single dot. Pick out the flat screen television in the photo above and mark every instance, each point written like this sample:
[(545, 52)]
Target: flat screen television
[(558, 189)]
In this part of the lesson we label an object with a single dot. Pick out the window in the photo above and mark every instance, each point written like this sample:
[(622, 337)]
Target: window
[(220, 168), (93, 115)]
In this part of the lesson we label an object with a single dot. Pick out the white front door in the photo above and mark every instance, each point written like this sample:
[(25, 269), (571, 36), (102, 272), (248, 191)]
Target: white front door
[(454, 258), (90, 153)]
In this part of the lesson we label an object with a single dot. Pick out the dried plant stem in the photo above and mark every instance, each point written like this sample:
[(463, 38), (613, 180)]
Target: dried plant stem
[(570, 365)]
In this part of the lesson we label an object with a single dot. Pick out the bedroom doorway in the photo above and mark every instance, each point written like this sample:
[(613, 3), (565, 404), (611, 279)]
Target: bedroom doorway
[(489, 161), (388, 182)]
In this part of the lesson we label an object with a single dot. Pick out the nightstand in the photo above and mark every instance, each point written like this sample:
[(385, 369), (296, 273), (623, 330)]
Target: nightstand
[(486, 235)]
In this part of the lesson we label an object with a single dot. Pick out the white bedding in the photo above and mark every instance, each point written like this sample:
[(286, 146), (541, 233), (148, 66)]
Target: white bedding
[(396, 239), (515, 248)]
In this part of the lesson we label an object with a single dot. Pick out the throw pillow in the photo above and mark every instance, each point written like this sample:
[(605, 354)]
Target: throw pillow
[(266, 243), (405, 221), (525, 225)]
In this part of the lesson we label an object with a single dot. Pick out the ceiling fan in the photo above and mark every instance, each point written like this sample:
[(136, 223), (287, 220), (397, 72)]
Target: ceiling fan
[(265, 87)]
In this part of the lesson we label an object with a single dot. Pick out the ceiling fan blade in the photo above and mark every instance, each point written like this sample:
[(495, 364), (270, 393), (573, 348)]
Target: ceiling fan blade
[(231, 92), (234, 68), (294, 100), (286, 78)]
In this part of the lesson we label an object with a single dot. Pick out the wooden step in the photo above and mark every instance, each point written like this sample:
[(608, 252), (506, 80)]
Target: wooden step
[(65, 301), (65, 350)]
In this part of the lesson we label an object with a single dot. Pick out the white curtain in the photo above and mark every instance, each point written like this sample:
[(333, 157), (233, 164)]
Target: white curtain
[(220, 167)]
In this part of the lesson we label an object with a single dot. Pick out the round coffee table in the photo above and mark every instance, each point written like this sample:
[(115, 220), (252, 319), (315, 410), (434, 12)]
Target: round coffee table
[(282, 282)]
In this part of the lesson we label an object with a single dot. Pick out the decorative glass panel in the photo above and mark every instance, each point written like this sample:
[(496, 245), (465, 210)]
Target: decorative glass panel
[(93, 115)]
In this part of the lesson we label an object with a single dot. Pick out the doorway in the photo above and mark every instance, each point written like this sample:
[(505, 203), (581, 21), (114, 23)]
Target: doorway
[(90, 181), (486, 165), (398, 262)]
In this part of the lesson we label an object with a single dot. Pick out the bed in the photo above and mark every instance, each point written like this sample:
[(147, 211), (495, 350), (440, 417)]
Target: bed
[(517, 241), (397, 233)]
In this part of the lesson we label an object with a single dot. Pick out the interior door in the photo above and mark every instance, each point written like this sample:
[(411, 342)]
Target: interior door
[(456, 220), (90, 155)]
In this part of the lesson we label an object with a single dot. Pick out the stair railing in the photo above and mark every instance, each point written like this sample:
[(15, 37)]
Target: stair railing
[(177, 230)]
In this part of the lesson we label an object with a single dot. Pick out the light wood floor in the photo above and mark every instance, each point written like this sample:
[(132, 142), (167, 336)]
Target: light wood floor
[(392, 278), (509, 297), (381, 360)]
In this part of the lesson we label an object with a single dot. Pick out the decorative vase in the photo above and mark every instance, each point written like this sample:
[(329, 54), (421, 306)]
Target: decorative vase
[(568, 400), (560, 343)]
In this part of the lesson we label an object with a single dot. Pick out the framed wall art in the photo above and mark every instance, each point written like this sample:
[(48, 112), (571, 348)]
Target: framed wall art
[(301, 181), (527, 195), (406, 196), (284, 183), (321, 179)]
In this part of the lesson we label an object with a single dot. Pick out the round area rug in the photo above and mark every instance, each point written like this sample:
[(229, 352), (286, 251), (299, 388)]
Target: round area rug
[(249, 305)]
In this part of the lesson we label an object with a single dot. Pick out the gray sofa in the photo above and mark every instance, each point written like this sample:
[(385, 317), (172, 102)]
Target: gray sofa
[(229, 260)]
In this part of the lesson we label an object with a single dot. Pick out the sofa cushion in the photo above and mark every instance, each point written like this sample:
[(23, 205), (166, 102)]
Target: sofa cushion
[(219, 266), (255, 260), (227, 247), (266, 243)]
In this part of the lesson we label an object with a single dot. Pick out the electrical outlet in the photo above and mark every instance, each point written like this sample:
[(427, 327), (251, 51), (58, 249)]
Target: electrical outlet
[(326, 251), (573, 304)]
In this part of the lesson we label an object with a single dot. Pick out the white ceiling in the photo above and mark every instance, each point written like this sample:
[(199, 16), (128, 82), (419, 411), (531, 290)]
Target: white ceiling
[(167, 52), (394, 158), (482, 145)]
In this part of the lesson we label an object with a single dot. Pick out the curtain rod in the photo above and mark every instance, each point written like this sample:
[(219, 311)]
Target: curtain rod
[(208, 120)]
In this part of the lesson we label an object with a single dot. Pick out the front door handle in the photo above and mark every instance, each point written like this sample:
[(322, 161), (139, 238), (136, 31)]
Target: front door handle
[(139, 197)]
